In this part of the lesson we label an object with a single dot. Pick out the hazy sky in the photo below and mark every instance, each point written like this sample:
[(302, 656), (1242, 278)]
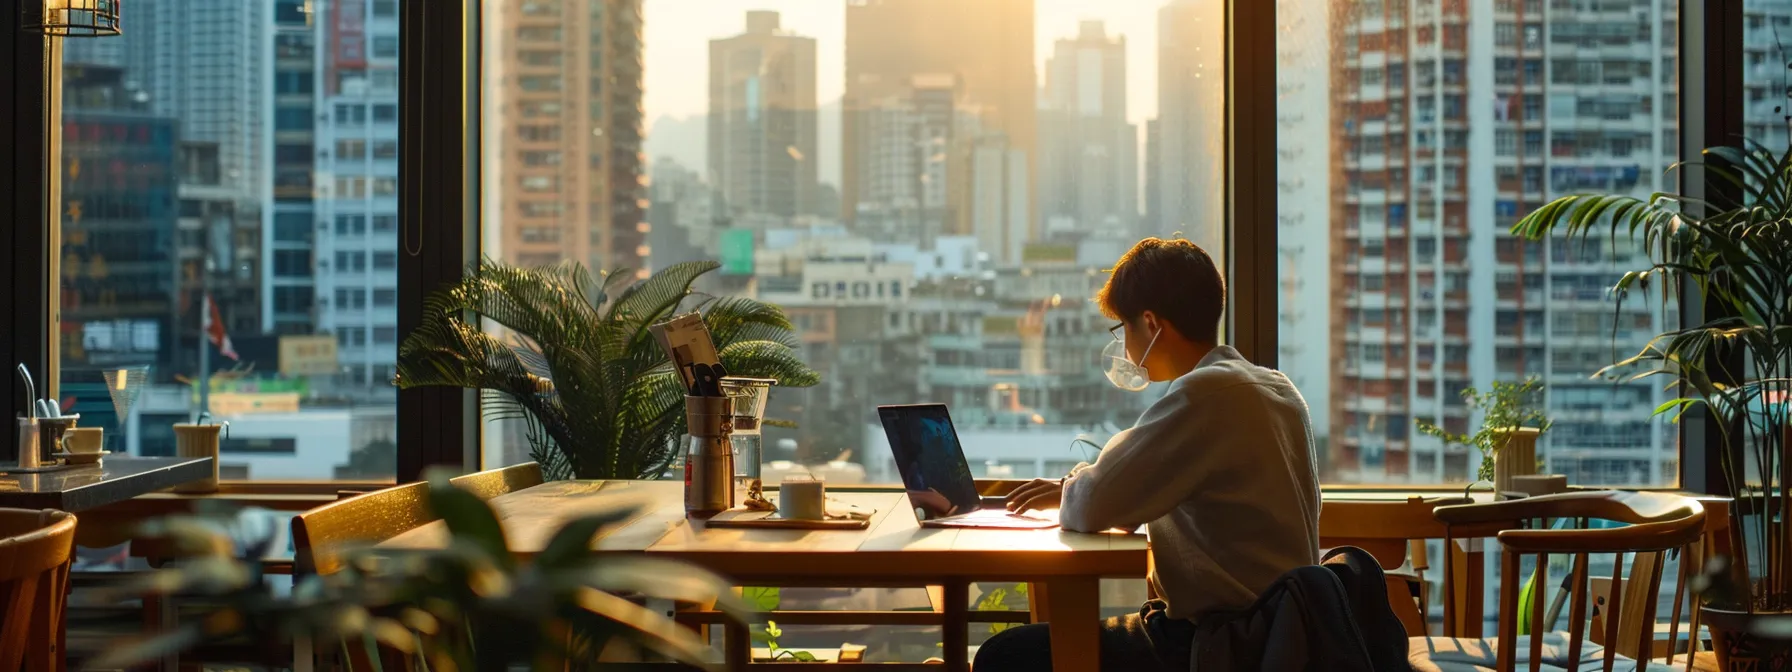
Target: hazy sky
[(678, 34)]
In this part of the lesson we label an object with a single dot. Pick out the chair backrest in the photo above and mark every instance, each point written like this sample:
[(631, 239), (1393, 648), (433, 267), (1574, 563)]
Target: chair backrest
[(1655, 525), (493, 482), (36, 551), (319, 535), (1394, 532)]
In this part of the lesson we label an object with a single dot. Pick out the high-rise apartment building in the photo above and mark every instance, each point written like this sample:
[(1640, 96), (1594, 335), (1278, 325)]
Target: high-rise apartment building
[(569, 158), (905, 143), (985, 48), (1448, 123), (762, 116), (356, 207), (1089, 154), (1191, 120), (1302, 213)]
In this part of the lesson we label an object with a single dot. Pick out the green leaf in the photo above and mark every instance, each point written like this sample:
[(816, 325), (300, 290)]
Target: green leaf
[(643, 626), (659, 578), (803, 656), (762, 599), (772, 630), (573, 541), (470, 520)]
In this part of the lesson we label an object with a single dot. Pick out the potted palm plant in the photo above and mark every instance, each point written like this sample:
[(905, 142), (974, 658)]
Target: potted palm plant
[(574, 360), (1736, 257)]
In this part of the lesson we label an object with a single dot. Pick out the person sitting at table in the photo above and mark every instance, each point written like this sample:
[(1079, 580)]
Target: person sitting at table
[(1220, 470)]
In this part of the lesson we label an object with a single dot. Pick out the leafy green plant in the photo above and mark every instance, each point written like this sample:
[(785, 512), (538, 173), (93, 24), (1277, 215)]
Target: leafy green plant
[(1507, 407), (576, 361), (996, 599), (467, 606), (1733, 251), (772, 633)]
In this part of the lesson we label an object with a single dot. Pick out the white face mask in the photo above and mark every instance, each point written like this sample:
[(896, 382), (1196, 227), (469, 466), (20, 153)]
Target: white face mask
[(1121, 370)]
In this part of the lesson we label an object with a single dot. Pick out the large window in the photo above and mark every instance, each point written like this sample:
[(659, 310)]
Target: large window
[(216, 172), (929, 189), (1394, 245), (934, 214)]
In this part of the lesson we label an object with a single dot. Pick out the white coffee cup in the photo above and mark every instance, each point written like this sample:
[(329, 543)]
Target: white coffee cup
[(802, 498), (83, 440)]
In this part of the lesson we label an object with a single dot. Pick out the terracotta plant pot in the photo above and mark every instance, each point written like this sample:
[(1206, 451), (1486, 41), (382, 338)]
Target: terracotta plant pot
[(1738, 648)]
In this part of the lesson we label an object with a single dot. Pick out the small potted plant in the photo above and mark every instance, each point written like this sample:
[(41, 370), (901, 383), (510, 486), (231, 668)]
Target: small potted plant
[(1508, 436), (1734, 252)]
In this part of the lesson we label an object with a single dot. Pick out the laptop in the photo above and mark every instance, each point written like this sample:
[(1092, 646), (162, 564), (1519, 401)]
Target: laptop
[(938, 480)]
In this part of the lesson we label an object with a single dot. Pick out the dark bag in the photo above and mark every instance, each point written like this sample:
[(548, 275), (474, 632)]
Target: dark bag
[(1333, 616)]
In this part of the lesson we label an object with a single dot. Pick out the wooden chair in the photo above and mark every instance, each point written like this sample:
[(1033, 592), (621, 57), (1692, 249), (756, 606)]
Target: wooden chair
[(1394, 532), (36, 551), (1656, 525), (493, 482), (319, 535)]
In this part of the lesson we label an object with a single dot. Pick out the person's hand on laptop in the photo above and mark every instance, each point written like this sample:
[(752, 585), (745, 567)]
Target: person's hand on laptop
[(931, 501), (1037, 495)]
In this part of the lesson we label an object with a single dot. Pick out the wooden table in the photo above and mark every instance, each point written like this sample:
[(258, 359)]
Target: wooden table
[(893, 551), (115, 479)]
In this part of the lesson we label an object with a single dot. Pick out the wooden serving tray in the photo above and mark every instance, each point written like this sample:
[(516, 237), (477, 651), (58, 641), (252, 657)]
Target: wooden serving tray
[(745, 519)]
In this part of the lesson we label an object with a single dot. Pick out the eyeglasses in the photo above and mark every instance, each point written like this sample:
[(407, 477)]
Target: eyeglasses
[(1117, 331)]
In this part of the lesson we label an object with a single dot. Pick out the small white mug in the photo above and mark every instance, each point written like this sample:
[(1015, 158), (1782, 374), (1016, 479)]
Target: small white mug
[(802, 498)]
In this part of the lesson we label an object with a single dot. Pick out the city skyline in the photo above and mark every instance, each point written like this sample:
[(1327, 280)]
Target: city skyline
[(677, 32)]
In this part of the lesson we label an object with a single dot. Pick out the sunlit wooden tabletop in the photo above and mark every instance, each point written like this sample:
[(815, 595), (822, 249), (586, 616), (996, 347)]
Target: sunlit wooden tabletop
[(894, 550)]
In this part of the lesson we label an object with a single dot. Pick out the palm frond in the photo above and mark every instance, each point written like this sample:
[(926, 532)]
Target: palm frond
[(573, 359)]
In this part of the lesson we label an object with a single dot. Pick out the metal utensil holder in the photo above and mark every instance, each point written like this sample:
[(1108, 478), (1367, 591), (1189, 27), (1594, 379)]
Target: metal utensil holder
[(709, 458)]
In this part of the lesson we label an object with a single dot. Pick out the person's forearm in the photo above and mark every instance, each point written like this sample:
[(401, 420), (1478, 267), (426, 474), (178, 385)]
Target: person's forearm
[(1087, 508)]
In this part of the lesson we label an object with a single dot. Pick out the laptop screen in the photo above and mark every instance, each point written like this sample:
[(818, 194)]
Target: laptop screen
[(930, 459)]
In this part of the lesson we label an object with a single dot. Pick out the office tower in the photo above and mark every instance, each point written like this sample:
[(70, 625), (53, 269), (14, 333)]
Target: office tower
[(289, 289), (204, 65), (119, 271), (993, 174), (1149, 224), (1191, 118), (1089, 154), (570, 166), (986, 48), (1448, 123), (762, 116), (1302, 179), (356, 205), (907, 140)]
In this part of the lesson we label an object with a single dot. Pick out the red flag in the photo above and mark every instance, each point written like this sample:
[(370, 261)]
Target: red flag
[(214, 329)]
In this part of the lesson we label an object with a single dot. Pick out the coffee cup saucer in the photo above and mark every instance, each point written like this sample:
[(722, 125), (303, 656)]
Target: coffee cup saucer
[(82, 458)]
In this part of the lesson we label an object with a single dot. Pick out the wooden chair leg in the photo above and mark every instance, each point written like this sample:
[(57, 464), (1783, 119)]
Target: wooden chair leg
[(737, 645)]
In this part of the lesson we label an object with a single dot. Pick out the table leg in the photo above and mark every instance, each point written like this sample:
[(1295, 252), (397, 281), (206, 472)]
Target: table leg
[(1074, 606), (955, 644)]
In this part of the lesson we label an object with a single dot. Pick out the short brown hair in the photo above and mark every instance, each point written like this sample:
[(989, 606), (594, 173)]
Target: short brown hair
[(1174, 279)]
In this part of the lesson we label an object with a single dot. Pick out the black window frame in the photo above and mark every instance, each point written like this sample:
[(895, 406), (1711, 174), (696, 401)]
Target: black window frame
[(440, 133), (438, 158)]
